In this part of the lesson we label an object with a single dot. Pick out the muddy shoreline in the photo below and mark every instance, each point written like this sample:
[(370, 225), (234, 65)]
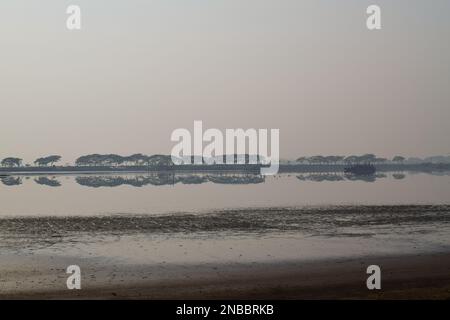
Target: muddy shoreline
[(266, 253), (403, 277)]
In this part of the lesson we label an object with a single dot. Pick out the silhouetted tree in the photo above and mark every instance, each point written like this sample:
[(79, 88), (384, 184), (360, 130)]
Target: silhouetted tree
[(160, 160), (45, 161), (100, 160), (137, 159), (11, 162), (302, 159), (316, 159), (333, 159), (398, 159), (379, 160), (367, 158), (352, 159)]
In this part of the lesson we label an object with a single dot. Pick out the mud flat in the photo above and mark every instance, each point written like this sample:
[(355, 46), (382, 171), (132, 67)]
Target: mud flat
[(276, 253), (403, 277)]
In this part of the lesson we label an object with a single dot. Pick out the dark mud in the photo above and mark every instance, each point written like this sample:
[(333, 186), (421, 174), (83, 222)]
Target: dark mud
[(340, 221)]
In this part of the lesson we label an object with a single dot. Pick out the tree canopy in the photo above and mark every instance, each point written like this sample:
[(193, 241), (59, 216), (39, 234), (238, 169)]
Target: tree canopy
[(45, 161), (11, 162), (116, 160), (398, 159)]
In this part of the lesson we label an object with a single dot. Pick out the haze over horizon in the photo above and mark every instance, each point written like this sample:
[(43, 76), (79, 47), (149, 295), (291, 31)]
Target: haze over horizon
[(135, 72)]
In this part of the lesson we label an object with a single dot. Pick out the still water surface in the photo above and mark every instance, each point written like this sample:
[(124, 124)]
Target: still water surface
[(88, 195)]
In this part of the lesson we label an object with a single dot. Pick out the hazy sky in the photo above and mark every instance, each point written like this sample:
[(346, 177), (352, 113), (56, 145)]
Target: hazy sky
[(139, 69)]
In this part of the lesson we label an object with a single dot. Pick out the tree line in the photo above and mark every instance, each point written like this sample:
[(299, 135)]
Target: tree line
[(137, 159), (352, 159), (17, 162), (140, 159)]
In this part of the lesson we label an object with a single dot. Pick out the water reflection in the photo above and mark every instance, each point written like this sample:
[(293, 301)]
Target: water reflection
[(164, 192), (170, 178), (161, 179), (11, 181), (319, 177), (135, 181), (47, 181), (322, 177), (398, 176)]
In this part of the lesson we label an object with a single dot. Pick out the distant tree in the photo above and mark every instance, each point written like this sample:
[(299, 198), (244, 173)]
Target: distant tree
[(398, 159), (339, 158), (380, 160), (45, 161), (82, 161), (302, 159), (317, 159), (98, 160), (351, 159), (333, 159), (328, 159), (11, 162), (367, 158), (137, 159), (53, 159), (115, 159), (159, 160)]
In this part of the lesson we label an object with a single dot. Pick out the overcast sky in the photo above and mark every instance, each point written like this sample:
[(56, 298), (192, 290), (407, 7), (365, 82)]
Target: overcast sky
[(139, 69)]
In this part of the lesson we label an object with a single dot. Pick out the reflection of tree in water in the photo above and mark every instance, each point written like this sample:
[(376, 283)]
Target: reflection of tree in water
[(47, 182), (157, 179), (236, 178), (398, 176), (114, 181), (224, 178), (160, 179), (11, 181), (365, 178), (193, 179), (319, 177), (439, 173)]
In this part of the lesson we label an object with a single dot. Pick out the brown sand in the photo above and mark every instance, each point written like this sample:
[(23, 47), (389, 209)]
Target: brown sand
[(403, 277)]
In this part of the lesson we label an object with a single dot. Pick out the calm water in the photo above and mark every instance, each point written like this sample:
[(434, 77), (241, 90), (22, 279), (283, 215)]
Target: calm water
[(70, 195), (239, 218)]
